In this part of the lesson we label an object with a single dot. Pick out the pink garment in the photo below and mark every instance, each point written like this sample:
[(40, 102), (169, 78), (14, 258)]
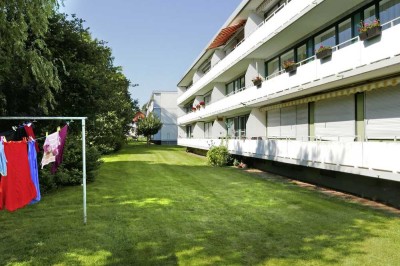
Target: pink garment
[(59, 157), (50, 148)]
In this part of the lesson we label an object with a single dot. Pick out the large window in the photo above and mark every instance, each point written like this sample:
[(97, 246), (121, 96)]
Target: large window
[(273, 67), (344, 31), (302, 53), (208, 130), (369, 14), (288, 56), (235, 86), (327, 38), (389, 10), (236, 126)]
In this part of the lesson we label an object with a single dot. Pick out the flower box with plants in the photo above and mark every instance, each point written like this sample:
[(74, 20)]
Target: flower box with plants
[(323, 51), (198, 106), (289, 66), (368, 31), (202, 104), (194, 109), (257, 81)]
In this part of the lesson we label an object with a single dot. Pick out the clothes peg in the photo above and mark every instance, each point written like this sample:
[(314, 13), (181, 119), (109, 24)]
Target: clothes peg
[(47, 133), (58, 129)]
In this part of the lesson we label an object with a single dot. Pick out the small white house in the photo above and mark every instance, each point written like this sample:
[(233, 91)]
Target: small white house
[(163, 104)]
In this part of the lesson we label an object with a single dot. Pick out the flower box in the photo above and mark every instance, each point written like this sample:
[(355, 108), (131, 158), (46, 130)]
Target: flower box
[(257, 81), (363, 35), (324, 53), (369, 31), (289, 66)]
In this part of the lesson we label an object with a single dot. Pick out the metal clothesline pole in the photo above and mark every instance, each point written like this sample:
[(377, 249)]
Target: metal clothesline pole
[(83, 120)]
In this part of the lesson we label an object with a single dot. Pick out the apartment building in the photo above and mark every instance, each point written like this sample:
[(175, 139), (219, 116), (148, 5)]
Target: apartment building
[(163, 104), (305, 88)]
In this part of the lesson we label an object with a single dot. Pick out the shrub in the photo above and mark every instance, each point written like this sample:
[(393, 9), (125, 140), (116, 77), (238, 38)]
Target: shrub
[(218, 156)]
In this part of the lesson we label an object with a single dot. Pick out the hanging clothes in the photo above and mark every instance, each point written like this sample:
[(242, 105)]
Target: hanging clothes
[(30, 133), (59, 157), (32, 158), (3, 160), (50, 148), (17, 187), (3, 169)]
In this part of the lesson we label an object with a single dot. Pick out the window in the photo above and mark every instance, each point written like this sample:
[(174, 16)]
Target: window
[(302, 53), (344, 33), (236, 126), (356, 24), (273, 67), (208, 130), (189, 131), (235, 86), (207, 98), (229, 127), (389, 10), (327, 38), (206, 67), (369, 14), (288, 56)]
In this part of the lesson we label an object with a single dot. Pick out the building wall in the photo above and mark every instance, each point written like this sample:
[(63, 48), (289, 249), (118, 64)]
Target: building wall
[(163, 104)]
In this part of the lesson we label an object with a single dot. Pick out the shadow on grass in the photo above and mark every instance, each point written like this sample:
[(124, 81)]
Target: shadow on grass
[(166, 214)]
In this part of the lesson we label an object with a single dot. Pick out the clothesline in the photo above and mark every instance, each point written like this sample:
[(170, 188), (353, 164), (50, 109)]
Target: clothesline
[(83, 121)]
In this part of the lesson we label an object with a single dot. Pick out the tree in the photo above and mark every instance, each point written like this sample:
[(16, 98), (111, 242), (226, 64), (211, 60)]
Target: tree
[(27, 68), (149, 126)]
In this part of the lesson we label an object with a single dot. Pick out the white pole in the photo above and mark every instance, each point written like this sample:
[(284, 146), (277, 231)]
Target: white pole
[(84, 170)]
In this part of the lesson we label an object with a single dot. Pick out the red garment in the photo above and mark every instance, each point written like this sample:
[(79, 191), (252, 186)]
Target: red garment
[(1, 196), (30, 133), (17, 187)]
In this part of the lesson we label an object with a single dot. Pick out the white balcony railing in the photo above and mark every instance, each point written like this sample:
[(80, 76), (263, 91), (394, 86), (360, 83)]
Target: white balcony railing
[(343, 60), (356, 156)]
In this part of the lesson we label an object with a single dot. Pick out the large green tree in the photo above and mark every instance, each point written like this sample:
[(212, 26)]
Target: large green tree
[(91, 85), (27, 68)]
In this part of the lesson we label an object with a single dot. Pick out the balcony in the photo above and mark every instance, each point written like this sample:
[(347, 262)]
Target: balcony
[(251, 43), (374, 159), (358, 61)]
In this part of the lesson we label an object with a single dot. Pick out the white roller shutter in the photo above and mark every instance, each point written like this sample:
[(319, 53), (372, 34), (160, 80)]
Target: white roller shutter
[(382, 113), (288, 122), (274, 123), (302, 122), (335, 118)]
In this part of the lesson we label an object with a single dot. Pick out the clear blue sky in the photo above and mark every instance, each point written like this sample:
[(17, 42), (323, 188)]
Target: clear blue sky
[(155, 41)]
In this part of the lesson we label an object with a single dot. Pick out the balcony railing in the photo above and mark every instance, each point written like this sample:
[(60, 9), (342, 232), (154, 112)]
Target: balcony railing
[(378, 159)]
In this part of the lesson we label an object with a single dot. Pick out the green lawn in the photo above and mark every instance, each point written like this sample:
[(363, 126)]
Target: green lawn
[(162, 206)]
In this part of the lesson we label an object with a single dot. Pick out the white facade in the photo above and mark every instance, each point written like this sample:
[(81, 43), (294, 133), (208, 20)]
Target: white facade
[(337, 113), (163, 104)]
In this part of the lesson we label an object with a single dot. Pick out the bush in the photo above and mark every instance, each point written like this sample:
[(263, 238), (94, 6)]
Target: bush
[(218, 156)]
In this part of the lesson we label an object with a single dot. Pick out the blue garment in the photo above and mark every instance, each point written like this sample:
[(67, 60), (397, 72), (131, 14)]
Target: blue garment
[(32, 158), (3, 160)]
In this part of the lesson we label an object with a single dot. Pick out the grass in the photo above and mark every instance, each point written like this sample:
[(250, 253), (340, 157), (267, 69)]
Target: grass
[(162, 206)]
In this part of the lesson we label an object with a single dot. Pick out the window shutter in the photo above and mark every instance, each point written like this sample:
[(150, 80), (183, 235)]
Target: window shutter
[(382, 113), (335, 118)]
